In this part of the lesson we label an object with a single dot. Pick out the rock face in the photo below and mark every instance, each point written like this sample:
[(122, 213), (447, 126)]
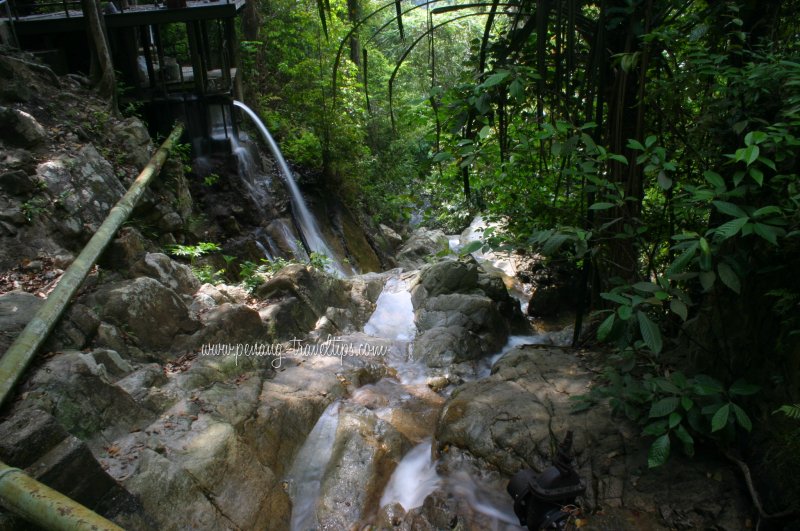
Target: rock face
[(20, 128), (422, 245), (462, 314), (154, 314), (510, 419)]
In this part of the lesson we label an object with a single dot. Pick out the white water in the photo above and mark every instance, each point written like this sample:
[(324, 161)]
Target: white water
[(308, 225), (305, 476), (393, 317), (414, 478)]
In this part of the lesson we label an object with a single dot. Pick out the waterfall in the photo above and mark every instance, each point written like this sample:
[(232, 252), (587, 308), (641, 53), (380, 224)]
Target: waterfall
[(306, 221)]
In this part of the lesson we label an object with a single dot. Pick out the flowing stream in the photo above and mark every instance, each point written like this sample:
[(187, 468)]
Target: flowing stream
[(416, 475), (305, 219)]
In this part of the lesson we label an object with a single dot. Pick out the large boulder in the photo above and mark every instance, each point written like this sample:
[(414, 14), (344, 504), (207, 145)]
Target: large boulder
[(365, 451), (461, 312), (78, 391), (151, 313), (84, 186), (513, 419), (133, 141), (422, 245), (174, 275), (20, 129)]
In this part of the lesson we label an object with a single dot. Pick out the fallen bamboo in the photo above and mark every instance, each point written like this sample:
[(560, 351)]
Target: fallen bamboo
[(46, 507), (21, 352)]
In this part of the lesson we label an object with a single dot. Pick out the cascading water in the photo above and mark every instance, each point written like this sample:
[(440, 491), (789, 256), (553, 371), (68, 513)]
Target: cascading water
[(305, 219)]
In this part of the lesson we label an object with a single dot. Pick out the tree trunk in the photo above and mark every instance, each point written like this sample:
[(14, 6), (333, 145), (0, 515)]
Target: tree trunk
[(106, 82)]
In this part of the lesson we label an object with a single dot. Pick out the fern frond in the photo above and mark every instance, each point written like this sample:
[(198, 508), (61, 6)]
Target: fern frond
[(790, 410)]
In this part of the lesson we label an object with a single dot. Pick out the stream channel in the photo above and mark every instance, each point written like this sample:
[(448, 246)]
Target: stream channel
[(405, 393), (410, 398)]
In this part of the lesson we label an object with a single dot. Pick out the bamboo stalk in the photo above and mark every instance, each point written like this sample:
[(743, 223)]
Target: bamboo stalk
[(21, 352), (46, 507)]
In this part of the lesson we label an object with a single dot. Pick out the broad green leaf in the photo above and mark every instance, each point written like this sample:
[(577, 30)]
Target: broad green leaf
[(687, 403), (647, 287), (659, 452), (751, 154), (686, 439), (667, 386), (757, 175), (635, 144), (618, 158), (650, 140), (742, 418), (680, 263), (442, 156), (517, 90), (613, 297), (650, 332), (707, 279), (731, 228), (714, 179), (484, 132), (554, 243), (720, 418), (602, 206), (605, 328), (742, 388), (767, 210), (495, 79), (674, 419), (471, 247), (705, 385), (664, 407), (730, 209), (729, 277), (656, 428), (767, 232), (679, 308), (664, 181), (625, 312)]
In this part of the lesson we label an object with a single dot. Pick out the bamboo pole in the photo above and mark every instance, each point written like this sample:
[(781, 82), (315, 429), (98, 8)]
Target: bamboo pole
[(21, 352), (46, 507)]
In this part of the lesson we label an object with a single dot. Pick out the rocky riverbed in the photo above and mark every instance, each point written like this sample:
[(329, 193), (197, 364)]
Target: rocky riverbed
[(396, 400)]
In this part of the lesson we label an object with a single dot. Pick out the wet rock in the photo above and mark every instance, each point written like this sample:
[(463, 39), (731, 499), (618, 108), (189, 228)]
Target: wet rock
[(457, 320), (444, 345), (170, 273), (365, 452), (422, 244), (510, 420), (153, 314), (20, 129)]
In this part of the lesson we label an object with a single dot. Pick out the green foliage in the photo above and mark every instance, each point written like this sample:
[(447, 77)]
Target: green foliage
[(790, 410), (673, 407), (211, 179), (193, 252)]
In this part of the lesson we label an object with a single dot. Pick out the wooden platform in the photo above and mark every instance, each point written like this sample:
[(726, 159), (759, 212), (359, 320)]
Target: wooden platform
[(72, 19)]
